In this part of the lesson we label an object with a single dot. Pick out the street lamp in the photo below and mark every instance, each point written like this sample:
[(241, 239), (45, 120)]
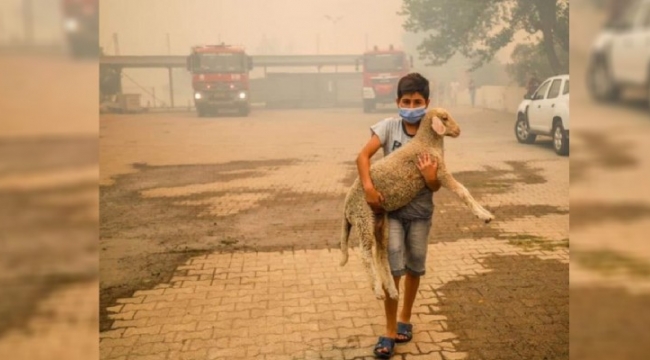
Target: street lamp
[(333, 20)]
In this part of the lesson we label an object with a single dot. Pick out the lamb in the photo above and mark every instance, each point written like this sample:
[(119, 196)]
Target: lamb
[(398, 179)]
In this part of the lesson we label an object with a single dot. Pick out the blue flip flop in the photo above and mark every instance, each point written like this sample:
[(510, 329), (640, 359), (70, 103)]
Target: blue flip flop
[(405, 330), (384, 342)]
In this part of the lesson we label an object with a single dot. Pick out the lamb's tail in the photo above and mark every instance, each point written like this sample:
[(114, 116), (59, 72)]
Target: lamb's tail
[(345, 235)]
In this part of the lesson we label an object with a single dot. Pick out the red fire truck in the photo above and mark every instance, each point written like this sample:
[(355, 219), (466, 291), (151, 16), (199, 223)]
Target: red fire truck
[(220, 78), (382, 69), (81, 25)]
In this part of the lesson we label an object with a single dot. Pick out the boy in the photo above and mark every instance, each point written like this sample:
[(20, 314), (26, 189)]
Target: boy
[(408, 227)]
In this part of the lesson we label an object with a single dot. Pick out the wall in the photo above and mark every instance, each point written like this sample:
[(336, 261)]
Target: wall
[(501, 98)]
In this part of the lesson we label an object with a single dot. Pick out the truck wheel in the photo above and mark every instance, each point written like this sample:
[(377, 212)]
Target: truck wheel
[(368, 106), (244, 110), (82, 49), (522, 131), (560, 140), (600, 83)]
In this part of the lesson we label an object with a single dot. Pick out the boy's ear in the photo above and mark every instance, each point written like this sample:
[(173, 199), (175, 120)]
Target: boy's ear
[(426, 103)]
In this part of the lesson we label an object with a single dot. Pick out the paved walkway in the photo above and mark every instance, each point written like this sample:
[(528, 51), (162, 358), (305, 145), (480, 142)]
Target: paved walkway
[(291, 305)]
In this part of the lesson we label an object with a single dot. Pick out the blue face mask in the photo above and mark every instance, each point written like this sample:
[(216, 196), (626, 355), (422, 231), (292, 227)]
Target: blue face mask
[(412, 116)]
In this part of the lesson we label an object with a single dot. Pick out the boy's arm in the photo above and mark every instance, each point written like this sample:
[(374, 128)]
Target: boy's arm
[(429, 169), (373, 197), (434, 186)]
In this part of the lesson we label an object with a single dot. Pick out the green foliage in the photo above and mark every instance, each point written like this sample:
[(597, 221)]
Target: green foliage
[(479, 29), (491, 73), (529, 58)]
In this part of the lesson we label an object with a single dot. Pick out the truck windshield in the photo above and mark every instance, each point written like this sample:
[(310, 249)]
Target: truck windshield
[(384, 62), (221, 63)]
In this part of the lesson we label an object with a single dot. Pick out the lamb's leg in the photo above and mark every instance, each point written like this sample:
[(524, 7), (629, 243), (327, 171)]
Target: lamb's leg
[(448, 181), (364, 228), (381, 259), (345, 236)]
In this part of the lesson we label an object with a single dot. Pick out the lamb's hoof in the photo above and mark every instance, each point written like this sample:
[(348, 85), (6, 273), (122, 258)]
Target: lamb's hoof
[(394, 295), (379, 293), (486, 216)]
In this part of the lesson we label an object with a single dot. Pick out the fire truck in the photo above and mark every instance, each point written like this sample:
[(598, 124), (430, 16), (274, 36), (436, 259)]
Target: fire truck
[(382, 69), (220, 78), (81, 26)]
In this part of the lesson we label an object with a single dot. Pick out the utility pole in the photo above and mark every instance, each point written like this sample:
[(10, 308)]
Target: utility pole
[(2, 24), (171, 87), (333, 20), (116, 44), (28, 21)]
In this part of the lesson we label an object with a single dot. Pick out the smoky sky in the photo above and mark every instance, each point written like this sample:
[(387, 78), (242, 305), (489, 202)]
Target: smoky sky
[(261, 26)]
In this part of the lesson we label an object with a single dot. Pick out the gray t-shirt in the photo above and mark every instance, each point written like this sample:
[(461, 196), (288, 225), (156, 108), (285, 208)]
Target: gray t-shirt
[(392, 135)]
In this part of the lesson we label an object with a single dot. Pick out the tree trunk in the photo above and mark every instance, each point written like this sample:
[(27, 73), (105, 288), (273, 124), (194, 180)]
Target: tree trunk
[(547, 10)]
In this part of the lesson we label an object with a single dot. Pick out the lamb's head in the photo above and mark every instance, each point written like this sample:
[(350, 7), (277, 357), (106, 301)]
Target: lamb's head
[(441, 122)]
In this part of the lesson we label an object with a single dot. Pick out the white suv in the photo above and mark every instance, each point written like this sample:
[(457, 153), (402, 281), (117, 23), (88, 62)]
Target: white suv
[(546, 112), (620, 56)]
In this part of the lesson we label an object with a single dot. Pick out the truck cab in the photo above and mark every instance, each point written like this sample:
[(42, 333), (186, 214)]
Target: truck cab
[(220, 78), (382, 70), (81, 26)]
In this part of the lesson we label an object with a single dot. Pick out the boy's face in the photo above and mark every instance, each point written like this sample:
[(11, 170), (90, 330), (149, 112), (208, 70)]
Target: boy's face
[(412, 100)]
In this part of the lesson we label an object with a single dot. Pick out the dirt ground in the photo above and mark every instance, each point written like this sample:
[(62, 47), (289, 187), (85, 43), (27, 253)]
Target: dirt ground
[(511, 312)]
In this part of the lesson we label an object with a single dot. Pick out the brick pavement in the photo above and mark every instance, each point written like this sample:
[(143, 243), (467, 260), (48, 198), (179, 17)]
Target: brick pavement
[(289, 305), (300, 304)]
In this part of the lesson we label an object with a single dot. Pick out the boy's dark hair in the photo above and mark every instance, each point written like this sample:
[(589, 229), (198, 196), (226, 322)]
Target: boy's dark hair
[(413, 83)]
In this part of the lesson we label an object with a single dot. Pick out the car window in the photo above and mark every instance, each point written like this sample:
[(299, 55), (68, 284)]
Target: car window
[(541, 91), (566, 88), (554, 92)]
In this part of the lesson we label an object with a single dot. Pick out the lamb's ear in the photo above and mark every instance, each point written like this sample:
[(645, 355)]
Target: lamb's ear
[(438, 126)]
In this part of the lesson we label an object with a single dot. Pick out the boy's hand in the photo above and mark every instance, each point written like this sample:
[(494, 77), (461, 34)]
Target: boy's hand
[(375, 199), (428, 167)]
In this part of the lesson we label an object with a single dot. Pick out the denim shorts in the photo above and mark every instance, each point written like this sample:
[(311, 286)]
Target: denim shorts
[(407, 246)]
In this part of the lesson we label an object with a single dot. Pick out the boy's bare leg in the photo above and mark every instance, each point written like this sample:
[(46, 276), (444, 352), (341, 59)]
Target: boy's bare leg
[(411, 285), (390, 308)]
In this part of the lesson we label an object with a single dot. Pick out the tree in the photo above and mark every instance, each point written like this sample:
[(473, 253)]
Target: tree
[(478, 29), (455, 69), (531, 58)]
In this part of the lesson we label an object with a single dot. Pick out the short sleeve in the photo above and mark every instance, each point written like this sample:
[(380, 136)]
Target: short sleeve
[(381, 130)]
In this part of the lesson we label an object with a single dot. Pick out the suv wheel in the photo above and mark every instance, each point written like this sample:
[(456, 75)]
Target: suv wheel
[(560, 140), (600, 83), (522, 132)]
